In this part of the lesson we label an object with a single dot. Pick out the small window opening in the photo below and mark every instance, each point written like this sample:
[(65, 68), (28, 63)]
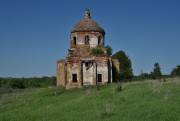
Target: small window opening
[(86, 39), (87, 64), (99, 77), (74, 77), (99, 40), (74, 40)]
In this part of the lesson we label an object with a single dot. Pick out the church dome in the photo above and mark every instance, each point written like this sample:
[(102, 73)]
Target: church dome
[(87, 25)]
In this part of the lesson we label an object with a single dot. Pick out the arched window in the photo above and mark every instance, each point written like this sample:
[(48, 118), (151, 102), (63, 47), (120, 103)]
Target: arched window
[(99, 40), (86, 39), (74, 40)]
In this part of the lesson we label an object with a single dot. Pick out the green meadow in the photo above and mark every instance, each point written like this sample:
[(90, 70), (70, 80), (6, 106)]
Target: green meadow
[(151, 100)]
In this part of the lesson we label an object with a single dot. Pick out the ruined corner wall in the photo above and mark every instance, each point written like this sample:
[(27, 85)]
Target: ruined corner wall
[(60, 76), (73, 67)]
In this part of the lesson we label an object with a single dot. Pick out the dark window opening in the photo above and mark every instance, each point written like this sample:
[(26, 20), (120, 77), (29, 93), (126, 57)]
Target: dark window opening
[(99, 40), (86, 39), (86, 64), (74, 77), (99, 77), (74, 40)]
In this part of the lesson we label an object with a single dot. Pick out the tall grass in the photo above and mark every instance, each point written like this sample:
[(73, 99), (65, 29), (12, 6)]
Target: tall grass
[(137, 101)]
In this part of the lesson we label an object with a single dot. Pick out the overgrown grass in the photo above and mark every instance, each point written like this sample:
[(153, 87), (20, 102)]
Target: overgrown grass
[(137, 101)]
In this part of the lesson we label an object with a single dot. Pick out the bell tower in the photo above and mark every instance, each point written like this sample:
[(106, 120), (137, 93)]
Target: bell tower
[(82, 66), (86, 34)]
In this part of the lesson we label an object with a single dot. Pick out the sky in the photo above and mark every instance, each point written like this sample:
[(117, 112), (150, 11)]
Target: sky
[(34, 34)]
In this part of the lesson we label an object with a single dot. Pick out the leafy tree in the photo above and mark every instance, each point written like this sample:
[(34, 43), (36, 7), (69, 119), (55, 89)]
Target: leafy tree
[(109, 50), (176, 71), (156, 74), (125, 70)]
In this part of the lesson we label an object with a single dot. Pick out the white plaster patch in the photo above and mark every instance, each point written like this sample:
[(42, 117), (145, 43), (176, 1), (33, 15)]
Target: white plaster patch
[(93, 42), (104, 71), (87, 75)]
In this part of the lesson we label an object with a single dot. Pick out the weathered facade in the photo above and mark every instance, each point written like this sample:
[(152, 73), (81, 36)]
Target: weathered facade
[(81, 66)]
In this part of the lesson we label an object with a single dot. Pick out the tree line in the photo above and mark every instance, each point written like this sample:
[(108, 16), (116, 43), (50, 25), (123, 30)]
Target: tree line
[(125, 72), (156, 73), (22, 83)]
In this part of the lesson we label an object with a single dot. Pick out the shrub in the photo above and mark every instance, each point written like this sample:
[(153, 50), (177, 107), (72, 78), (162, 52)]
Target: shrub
[(97, 51), (57, 90), (109, 50), (16, 84), (98, 86), (118, 87)]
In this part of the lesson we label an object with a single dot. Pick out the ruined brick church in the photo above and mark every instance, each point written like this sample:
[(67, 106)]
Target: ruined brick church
[(81, 66)]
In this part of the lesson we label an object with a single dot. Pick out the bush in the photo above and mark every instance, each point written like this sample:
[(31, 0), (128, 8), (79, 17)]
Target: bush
[(118, 87), (57, 90), (98, 86), (16, 84), (109, 50), (97, 51)]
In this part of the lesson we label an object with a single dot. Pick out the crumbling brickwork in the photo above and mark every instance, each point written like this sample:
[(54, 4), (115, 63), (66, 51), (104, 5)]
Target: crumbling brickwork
[(61, 72), (81, 67)]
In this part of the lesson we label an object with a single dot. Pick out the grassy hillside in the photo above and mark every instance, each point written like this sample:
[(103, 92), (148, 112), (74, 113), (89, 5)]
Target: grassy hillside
[(138, 101)]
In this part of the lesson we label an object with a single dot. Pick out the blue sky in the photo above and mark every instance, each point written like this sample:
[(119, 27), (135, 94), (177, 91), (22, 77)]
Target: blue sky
[(34, 34)]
